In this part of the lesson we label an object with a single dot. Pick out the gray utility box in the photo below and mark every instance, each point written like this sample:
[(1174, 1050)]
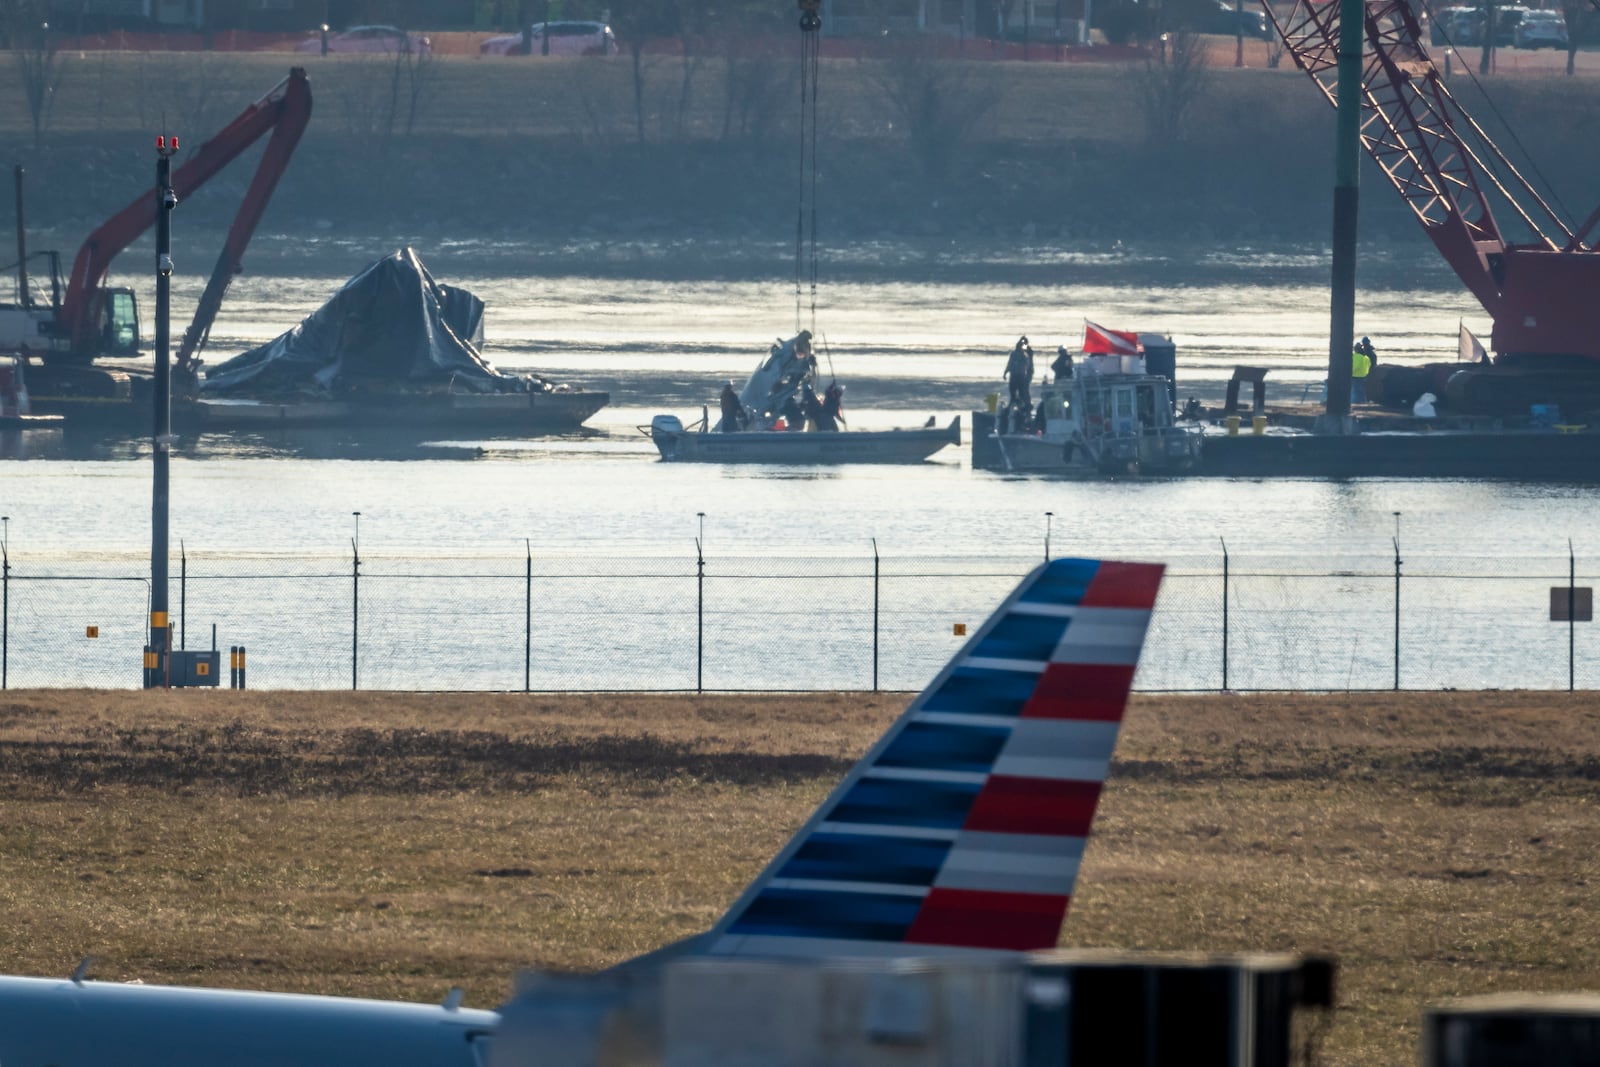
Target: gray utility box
[(195, 668), (1511, 1029)]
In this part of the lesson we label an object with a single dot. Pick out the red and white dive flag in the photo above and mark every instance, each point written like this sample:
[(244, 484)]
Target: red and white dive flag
[(1099, 341)]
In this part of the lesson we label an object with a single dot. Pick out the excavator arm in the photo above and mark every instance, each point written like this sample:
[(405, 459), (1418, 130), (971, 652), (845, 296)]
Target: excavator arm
[(284, 110), (1455, 179)]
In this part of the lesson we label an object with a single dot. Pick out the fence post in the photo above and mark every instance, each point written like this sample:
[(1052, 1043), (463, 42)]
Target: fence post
[(1397, 613), (183, 595), (5, 606), (527, 639), (1224, 613), (355, 609), (874, 614), (1572, 615), (699, 617)]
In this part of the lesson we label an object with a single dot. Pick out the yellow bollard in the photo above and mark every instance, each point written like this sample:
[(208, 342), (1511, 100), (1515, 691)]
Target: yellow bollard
[(1233, 425), (1258, 425)]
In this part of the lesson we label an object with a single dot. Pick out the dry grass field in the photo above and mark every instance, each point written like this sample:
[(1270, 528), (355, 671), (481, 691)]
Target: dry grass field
[(392, 845)]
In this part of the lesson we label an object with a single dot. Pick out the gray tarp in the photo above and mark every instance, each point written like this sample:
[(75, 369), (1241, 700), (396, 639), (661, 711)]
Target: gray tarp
[(391, 324)]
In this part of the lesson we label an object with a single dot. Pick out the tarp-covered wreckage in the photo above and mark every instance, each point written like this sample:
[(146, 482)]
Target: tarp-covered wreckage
[(391, 328)]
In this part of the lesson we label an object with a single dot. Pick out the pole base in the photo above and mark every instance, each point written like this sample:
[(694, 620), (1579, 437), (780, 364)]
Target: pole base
[(1335, 426)]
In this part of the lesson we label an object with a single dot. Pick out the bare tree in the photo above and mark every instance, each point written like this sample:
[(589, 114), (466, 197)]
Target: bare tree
[(693, 22), (178, 94), (938, 104), (33, 45), (601, 93), (1275, 48), (414, 85), (756, 86), (1580, 16), (1170, 85), (639, 22), (1491, 29), (363, 86), (381, 96)]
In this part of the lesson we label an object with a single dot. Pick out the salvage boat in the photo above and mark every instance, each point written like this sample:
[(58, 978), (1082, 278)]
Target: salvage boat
[(768, 422), (1111, 416), (395, 348)]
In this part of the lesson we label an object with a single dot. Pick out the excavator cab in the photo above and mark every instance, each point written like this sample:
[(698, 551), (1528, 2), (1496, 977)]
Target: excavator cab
[(118, 319)]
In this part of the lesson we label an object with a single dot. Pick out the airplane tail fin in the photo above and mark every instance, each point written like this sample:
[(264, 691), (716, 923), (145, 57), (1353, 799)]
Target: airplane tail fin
[(963, 827)]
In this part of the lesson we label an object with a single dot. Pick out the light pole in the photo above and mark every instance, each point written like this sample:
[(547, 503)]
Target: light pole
[(157, 664), (700, 538), (1397, 601), (5, 597), (355, 601)]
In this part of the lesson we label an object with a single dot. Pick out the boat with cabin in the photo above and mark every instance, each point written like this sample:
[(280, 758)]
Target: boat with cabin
[(1112, 416)]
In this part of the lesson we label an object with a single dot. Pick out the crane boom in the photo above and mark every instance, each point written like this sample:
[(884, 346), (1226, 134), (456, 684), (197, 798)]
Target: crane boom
[(285, 110), (1454, 177)]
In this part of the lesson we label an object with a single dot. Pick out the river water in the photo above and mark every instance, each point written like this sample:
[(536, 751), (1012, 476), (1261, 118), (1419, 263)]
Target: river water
[(907, 349)]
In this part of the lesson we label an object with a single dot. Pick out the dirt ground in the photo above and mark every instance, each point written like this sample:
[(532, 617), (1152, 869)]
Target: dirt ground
[(393, 845)]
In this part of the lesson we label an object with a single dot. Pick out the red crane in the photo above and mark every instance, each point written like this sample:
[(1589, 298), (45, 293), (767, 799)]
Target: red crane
[(1539, 288), (93, 320)]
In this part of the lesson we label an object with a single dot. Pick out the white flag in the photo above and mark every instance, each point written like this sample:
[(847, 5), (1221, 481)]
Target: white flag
[(1470, 350)]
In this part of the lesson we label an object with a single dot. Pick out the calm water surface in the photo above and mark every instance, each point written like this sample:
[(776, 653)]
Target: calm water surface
[(906, 350)]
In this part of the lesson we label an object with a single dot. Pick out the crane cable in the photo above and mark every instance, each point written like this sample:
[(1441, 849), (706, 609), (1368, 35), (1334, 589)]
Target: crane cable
[(1506, 127), (805, 226)]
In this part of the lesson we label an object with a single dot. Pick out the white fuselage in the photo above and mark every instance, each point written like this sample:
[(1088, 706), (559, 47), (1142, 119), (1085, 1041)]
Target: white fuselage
[(60, 1023)]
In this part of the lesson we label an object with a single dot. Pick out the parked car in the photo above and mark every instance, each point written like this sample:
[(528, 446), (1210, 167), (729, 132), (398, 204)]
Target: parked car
[(1507, 18), (571, 38), (1456, 26), (1541, 29), (390, 39), (1250, 20)]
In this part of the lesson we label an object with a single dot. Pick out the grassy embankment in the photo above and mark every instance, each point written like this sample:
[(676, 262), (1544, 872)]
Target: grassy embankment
[(547, 152), (392, 845)]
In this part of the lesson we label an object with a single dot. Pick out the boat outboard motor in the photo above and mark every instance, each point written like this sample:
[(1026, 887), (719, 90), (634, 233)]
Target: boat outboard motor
[(665, 426)]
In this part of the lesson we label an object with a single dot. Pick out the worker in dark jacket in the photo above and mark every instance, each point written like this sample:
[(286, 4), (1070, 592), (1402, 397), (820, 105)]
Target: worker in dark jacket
[(1061, 366), (733, 417), (1019, 372), (811, 408), (833, 406), (1364, 346)]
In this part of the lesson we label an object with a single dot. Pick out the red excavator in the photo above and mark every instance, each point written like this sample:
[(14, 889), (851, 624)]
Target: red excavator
[(1540, 288), (93, 320)]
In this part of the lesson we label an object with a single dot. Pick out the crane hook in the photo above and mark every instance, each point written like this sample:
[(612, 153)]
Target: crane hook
[(811, 18)]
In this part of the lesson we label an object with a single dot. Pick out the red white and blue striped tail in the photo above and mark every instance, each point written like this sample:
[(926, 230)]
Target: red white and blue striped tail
[(963, 828)]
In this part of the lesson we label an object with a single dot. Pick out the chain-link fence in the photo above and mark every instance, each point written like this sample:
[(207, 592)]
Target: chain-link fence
[(691, 622)]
